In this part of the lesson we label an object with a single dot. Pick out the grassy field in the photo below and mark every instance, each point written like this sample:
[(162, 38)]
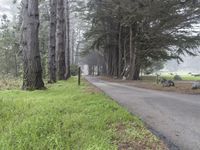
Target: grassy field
[(171, 77), (68, 117)]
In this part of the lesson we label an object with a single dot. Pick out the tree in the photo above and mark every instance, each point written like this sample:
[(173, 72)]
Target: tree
[(9, 47), (44, 34), (67, 45), (60, 40), (52, 42), (146, 33), (32, 77)]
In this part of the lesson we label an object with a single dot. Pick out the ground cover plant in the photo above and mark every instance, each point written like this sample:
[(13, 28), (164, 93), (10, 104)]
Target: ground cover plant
[(66, 116)]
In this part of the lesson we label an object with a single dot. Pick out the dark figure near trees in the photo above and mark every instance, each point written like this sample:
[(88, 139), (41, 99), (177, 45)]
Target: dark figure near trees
[(167, 83)]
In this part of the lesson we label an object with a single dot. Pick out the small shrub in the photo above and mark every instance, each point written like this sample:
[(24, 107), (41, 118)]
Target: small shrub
[(74, 70), (7, 83), (177, 78)]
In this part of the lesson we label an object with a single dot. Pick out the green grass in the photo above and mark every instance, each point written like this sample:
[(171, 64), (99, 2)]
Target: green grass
[(67, 117), (171, 77), (190, 78)]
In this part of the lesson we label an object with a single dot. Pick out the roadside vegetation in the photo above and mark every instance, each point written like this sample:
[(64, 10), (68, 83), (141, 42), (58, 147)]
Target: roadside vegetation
[(150, 82), (8, 83), (171, 77), (66, 116)]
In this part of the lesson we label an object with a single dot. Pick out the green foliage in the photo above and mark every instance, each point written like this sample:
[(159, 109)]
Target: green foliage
[(10, 62), (10, 52), (160, 30), (74, 70), (177, 78), (66, 117), (152, 67)]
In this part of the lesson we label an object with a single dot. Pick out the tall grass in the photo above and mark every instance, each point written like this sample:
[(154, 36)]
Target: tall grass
[(67, 117)]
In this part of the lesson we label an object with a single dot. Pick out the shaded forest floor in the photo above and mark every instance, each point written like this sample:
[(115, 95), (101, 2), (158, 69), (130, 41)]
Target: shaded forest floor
[(66, 116), (184, 87)]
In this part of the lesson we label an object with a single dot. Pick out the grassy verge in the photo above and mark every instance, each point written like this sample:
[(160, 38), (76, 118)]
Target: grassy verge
[(171, 77), (184, 87), (69, 117)]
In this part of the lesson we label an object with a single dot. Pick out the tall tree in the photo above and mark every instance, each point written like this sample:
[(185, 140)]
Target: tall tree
[(60, 40), (67, 45), (32, 78), (148, 34), (52, 42)]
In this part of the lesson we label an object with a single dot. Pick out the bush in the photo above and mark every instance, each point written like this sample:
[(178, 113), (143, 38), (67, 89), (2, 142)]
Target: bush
[(177, 78), (74, 70)]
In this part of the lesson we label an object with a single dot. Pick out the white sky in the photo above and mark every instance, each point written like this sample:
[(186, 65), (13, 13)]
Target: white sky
[(7, 7), (190, 64)]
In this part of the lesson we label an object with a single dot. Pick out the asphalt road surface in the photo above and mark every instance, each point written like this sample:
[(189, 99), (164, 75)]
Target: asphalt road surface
[(172, 116)]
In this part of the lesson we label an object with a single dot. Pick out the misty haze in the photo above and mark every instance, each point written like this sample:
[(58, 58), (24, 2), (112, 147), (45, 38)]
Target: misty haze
[(99, 74)]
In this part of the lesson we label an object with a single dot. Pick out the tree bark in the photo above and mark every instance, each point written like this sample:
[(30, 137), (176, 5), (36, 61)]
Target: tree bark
[(133, 55), (60, 40), (32, 78), (72, 48), (125, 53), (52, 42), (120, 52), (67, 46), (77, 53)]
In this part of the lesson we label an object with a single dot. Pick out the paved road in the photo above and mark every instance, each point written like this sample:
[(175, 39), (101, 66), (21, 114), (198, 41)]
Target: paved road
[(174, 117)]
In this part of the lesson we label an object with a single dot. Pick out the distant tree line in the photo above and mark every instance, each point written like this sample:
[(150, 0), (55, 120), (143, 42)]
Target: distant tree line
[(135, 35)]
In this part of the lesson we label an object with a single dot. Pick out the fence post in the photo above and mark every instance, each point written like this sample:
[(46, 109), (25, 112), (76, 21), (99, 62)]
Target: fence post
[(157, 78), (79, 76)]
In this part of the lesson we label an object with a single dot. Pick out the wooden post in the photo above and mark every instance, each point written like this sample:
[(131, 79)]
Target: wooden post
[(157, 78), (79, 76)]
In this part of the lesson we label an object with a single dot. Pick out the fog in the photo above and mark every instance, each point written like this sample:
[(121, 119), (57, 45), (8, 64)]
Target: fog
[(190, 64)]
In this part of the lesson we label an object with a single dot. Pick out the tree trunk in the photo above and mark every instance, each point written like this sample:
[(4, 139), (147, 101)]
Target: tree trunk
[(77, 53), (109, 62), (16, 66), (115, 61), (125, 53), (67, 46), (104, 69), (133, 55), (16, 47), (32, 78), (90, 70), (60, 40), (136, 75), (72, 47), (52, 42), (119, 52)]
